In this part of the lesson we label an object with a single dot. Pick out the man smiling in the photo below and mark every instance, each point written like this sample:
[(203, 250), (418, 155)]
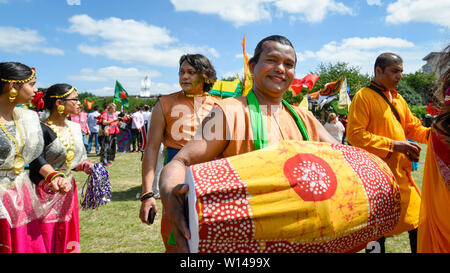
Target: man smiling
[(242, 125)]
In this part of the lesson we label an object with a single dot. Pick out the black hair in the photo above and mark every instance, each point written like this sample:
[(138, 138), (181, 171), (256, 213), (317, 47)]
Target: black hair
[(203, 66), (58, 89), (260, 47), (386, 59), (13, 71), (95, 107)]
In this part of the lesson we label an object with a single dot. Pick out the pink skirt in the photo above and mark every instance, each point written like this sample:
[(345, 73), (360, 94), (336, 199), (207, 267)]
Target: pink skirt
[(48, 234)]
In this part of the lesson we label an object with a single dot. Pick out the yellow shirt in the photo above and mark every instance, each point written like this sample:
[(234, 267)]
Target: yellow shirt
[(373, 126)]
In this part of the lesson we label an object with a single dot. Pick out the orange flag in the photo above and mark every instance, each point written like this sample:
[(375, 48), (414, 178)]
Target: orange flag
[(88, 103), (248, 77)]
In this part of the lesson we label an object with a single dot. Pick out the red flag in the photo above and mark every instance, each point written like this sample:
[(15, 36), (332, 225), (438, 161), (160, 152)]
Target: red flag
[(297, 85), (308, 81)]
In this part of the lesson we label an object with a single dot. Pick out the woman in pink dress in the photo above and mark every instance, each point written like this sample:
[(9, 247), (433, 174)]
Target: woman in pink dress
[(64, 151)]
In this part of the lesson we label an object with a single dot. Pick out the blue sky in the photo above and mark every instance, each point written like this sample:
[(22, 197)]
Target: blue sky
[(92, 43)]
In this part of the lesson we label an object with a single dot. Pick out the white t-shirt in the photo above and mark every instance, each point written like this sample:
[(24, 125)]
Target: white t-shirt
[(137, 120), (335, 129)]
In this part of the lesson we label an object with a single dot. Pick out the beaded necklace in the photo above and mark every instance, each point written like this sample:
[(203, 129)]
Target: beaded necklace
[(69, 150), (19, 161)]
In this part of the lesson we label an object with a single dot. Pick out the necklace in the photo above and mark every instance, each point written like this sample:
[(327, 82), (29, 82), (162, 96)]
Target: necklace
[(192, 95), (19, 161), (69, 150)]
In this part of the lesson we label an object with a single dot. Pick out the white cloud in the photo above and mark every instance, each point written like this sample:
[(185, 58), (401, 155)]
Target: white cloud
[(362, 52), (15, 40), (73, 2), (404, 11), (244, 12), (236, 11), (132, 41), (312, 11), (374, 3)]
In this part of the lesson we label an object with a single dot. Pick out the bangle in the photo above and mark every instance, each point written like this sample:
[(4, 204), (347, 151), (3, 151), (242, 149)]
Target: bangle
[(146, 196), (49, 175)]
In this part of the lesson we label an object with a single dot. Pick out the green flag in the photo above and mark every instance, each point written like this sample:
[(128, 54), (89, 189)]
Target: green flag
[(121, 95)]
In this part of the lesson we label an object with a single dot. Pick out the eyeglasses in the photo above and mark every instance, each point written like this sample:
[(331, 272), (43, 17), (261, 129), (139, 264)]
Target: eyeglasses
[(74, 99)]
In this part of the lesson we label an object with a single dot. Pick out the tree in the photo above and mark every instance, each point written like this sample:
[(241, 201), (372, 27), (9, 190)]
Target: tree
[(421, 83), (332, 72), (409, 94)]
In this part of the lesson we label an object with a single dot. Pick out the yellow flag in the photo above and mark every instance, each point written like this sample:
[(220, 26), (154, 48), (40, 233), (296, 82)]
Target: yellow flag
[(304, 103)]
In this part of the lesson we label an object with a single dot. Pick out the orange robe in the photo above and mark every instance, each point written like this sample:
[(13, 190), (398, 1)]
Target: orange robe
[(434, 223), (237, 119), (373, 127), (183, 115)]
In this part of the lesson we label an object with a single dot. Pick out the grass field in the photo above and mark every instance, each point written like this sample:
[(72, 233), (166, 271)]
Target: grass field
[(116, 227)]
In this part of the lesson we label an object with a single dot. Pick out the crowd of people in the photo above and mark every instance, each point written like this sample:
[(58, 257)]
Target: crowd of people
[(39, 208)]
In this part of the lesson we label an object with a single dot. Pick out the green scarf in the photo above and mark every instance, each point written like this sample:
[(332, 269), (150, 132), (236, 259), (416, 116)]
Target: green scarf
[(259, 129)]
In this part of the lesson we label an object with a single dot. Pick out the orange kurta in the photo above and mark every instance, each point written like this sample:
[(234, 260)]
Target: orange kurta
[(279, 127), (373, 127), (434, 224)]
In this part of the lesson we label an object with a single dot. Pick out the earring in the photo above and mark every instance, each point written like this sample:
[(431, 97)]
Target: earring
[(13, 94), (61, 109)]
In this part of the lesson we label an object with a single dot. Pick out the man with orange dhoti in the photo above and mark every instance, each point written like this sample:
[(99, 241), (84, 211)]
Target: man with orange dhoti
[(380, 122), (434, 225), (241, 125), (174, 121)]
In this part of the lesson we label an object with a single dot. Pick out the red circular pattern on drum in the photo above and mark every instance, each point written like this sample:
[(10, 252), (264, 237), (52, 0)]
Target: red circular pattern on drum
[(310, 177)]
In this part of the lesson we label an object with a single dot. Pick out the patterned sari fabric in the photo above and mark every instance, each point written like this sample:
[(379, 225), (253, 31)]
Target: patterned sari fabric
[(20, 206), (292, 197), (434, 225)]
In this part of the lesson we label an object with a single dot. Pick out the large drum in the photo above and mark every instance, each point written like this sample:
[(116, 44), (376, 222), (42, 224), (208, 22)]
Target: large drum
[(292, 197)]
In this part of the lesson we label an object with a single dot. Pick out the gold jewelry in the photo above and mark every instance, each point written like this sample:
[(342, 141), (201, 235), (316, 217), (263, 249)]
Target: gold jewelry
[(61, 109), (192, 95), (19, 161), (21, 81), (13, 94), (70, 154), (65, 94)]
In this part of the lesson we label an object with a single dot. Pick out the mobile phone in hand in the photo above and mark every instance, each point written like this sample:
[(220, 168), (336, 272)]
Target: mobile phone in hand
[(151, 215)]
